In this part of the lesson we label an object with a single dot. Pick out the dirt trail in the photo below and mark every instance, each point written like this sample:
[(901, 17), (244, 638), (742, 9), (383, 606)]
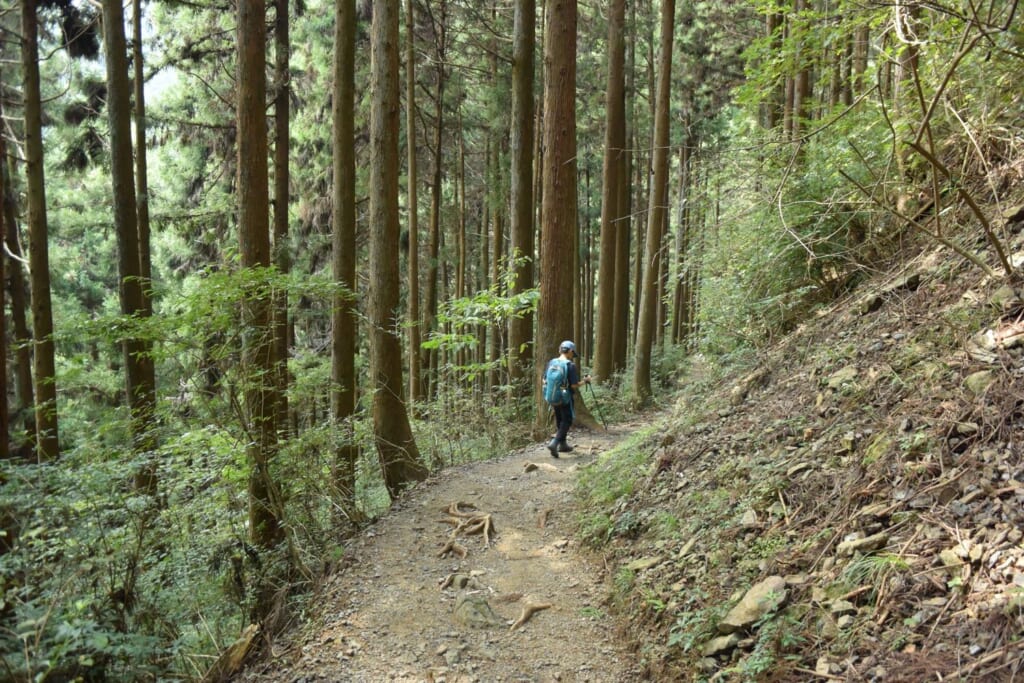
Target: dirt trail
[(397, 613)]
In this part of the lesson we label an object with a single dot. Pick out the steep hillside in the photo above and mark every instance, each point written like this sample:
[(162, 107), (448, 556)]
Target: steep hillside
[(848, 507)]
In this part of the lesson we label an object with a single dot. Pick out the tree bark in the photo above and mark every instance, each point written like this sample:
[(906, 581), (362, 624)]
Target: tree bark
[(282, 180), (412, 198), (44, 365), (522, 226), (624, 227), (258, 366), (399, 456), (140, 382), (656, 213), (558, 207), (5, 432), (344, 321), (429, 357), (21, 334), (614, 148), (141, 163)]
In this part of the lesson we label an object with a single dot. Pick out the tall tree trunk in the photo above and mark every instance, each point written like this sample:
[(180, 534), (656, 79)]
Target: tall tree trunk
[(772, 111), (44, 364), (656, 212), (522, 231), (558, 210), (399, 456), (24, 405), (498, 263), (344, 322), (140, 383), (282, 180), (141, 164), (859, 59), (461, 266), (429, 358), (412, 198), (681, 295), (802, 82), (624, 227), (265, 524), (5, 432), (614, 144)]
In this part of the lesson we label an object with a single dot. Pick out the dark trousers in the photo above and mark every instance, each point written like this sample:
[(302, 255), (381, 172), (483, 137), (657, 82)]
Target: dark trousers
[(563, 420)]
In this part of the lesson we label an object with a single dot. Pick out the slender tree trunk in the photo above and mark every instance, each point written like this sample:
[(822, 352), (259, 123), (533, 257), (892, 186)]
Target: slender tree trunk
[(140, 383), (802, 83), (399, 456), (344, 322), (5, 431), (282, 180), (681, 296), (522, 228), (614, 148), (412, 197), (483, 271), (265, 524), (22, 336), (141, 164), (624, 227), (558, 210), (44, 364), (656, 212), (859, 60), (461, 266), (498, 262), (772, 109), (429, 359)]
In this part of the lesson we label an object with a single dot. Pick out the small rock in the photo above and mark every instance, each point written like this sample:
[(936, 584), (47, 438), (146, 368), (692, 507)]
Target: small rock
[(749, 520), (761, 599), (721, 644)]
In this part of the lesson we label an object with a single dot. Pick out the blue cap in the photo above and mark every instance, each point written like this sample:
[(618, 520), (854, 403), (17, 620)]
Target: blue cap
[(567, 346)]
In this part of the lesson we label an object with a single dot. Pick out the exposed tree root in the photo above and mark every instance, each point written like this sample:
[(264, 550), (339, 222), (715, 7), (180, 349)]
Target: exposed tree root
[(466, 522), (459, 581), (452, 547), (529, 609)]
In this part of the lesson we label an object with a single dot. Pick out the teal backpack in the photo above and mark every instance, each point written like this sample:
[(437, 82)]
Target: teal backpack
[(556, 382)]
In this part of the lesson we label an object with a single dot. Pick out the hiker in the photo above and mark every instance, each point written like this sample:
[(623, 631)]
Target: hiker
[(561, 379)]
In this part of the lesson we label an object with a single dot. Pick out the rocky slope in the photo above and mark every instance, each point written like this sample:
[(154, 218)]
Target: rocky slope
[(849, 507)]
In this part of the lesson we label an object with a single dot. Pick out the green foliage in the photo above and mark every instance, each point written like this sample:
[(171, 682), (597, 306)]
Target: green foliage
[(696, 622), (870, 570), (777, 635)]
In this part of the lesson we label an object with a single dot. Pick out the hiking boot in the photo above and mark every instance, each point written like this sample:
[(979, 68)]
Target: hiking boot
[(553, 447), (565, 448)]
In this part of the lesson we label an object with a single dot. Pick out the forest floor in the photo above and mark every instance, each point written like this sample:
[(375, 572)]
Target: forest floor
[(410, 607)]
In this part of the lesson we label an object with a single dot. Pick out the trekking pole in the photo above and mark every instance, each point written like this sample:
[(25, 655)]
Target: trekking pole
[(597, 407)]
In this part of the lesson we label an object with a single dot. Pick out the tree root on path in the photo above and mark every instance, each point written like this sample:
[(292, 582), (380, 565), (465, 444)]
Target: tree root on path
[(466, 522), (529, 609)]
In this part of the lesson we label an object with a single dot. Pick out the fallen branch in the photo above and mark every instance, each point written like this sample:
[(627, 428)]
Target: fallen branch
[(529, 609)]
